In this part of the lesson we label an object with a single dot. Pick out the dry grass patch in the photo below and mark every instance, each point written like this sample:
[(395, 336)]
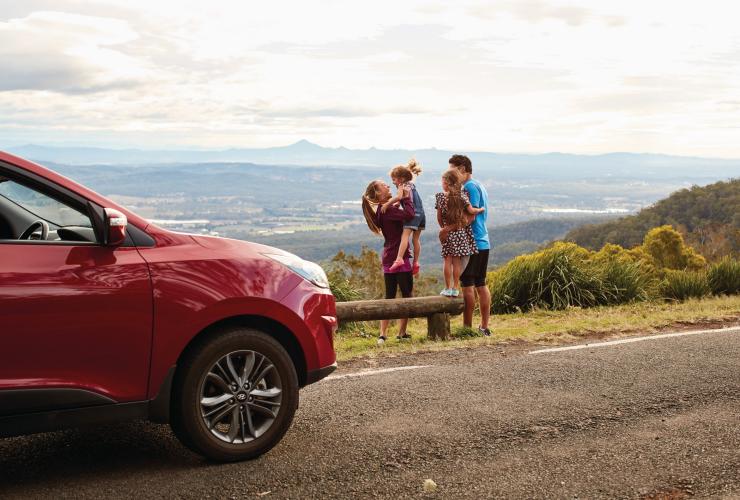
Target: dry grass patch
[(549, 327)]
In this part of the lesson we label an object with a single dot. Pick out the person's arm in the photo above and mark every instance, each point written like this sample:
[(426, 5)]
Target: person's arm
[(404, 212), (393, 201), (474, 211), (444, 231)]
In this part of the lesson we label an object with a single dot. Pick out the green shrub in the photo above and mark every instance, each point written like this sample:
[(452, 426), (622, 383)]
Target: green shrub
[(343, 290), (626, 276), (625, 282), (667, 247), (555, 278), (682, 285), (724, 277)]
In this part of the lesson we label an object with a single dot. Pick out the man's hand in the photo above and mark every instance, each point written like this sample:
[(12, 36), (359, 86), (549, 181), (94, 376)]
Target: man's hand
[(444, 233)]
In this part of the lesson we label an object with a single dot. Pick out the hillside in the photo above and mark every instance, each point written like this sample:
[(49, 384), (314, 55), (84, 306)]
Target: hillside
[(708, 216), (508, 240)]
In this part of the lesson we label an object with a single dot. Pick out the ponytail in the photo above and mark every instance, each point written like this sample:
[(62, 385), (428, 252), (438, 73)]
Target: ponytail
[(406, 172), (370, 206), (414, 167)]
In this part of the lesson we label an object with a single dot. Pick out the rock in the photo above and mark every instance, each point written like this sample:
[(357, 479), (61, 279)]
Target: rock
[(429, 486)]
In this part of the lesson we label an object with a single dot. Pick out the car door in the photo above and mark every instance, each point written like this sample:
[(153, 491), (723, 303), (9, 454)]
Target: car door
[(75, 316)]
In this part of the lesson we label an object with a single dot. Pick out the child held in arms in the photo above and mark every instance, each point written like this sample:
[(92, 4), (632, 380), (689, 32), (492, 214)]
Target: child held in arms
[(453, 207), (402, 177)]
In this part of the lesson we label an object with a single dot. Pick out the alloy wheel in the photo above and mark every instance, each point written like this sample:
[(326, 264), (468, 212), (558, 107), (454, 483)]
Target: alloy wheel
[(240, 396)]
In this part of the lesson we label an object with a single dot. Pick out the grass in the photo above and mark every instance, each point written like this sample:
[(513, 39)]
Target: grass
[(543, 326)]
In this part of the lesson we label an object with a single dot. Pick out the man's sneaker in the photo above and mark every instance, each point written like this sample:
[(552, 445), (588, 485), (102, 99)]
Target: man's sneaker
[(381, 340), (485, 331)]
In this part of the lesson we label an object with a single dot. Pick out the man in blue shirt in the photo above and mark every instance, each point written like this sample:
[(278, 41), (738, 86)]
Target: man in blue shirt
[(474, 275)]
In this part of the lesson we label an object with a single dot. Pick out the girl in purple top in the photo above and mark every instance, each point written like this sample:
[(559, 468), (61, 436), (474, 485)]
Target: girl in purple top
[(389, 224)]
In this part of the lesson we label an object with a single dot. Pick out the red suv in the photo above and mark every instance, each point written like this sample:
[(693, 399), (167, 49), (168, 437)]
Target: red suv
[(106, 317)]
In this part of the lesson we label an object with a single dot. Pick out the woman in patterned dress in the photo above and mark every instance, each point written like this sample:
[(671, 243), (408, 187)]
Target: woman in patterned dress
[(453, 207)]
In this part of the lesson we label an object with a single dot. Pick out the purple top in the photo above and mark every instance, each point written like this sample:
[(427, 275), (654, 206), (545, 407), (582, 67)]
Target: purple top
[(391, 225)]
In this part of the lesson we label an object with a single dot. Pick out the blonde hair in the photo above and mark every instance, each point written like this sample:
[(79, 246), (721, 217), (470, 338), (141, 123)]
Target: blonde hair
[(370, 203), (406, 172), (455, 202)]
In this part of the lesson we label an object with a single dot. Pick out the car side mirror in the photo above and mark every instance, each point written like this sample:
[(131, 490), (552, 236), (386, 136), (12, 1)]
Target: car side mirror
[(115, 227)]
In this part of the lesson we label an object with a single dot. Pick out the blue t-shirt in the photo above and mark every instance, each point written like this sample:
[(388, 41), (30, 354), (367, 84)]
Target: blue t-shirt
[(479, 198)]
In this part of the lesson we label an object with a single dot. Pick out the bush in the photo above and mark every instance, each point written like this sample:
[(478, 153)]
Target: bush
[(667, 247), (626, 281), (343, 290), (630, 275), (682, 285), (724, 277), (555, 278)]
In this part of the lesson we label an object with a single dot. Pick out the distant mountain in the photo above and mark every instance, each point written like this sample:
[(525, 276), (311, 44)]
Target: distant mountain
[(708, 216), (550, 165)]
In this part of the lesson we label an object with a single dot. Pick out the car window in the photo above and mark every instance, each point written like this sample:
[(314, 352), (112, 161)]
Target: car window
[(42, 206)]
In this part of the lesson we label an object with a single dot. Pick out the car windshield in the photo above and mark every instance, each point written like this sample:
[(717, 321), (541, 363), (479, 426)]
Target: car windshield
[(42, 206)]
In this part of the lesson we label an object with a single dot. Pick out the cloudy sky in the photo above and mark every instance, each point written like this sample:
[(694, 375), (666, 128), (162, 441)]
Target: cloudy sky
[(507, 76)]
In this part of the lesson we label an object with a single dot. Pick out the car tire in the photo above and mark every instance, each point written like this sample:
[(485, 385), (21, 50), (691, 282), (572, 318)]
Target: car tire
[(223, 422)]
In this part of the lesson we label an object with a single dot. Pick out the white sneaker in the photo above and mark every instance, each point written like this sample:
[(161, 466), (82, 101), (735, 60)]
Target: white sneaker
[(445, 292), (454, 292), (381, 340)]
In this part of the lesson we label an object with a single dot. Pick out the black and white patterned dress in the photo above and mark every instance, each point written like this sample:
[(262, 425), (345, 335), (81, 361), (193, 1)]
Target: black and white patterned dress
[(460, 242)]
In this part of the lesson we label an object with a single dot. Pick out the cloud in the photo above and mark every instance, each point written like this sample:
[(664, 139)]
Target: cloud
[(66, 53), (524, 75), (534, 11)]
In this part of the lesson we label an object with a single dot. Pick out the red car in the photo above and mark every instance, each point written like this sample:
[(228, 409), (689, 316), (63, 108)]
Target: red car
[(106, 317)]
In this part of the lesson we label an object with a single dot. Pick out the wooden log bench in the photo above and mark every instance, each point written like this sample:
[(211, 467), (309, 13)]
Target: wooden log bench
[(437, 310)]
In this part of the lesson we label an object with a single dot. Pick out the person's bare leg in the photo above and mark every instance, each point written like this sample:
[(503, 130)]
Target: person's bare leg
[(384, 327), (456, 272), (469, 296), (402, 249), (484, 296), (402, 326), (448, 272), (417, 245)]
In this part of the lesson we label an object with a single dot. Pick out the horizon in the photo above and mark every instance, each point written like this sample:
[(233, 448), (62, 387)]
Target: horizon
[(192, 148), (531, 77)]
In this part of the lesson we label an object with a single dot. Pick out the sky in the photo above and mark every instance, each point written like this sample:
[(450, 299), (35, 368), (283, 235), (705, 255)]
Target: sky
[(528, 76)]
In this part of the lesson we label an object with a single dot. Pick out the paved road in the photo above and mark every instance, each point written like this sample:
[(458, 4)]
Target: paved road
[(653, 419)]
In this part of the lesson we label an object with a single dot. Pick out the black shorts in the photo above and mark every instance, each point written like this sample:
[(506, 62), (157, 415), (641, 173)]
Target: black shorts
[(475, 272), (404, 281)]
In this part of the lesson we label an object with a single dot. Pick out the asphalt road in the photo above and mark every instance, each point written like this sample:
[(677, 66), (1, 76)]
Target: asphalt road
[(652, 419)]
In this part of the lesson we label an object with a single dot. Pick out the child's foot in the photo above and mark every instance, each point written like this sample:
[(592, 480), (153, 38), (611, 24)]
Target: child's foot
[(415, 269), (454, 292), (445, 292), (381, 340), (485, 331), (396, 264)]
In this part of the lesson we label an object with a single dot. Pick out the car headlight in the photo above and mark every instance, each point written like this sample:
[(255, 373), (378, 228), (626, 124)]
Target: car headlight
[(309, 271)]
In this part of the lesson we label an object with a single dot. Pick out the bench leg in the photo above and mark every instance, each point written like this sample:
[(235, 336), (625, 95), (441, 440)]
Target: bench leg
[(438, 326)]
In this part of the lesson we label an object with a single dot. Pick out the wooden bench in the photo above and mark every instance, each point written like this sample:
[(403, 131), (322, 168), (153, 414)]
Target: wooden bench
[(437, 310)]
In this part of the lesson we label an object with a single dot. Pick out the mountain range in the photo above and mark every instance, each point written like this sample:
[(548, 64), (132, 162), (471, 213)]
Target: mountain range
[(309, 154)]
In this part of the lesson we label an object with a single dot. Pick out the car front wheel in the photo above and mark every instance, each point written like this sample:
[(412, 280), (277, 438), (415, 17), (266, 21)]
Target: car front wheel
[(235, 395)]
